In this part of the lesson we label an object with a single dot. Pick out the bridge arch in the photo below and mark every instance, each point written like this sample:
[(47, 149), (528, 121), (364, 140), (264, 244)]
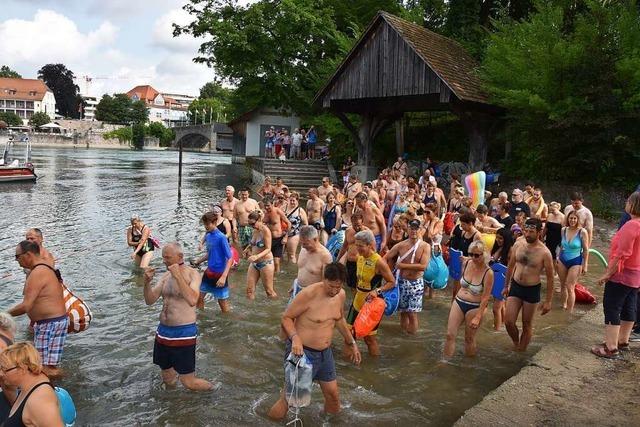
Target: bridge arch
[(193, 140)]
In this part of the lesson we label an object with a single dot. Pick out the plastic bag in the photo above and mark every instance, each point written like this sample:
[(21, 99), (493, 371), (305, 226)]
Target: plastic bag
[(298, 379)]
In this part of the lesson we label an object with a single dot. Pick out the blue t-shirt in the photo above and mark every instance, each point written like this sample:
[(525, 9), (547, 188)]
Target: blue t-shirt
[(218, 250), (312, 137)]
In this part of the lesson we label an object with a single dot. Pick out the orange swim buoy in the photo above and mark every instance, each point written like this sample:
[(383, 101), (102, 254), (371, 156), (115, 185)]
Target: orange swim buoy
[(369, 317)]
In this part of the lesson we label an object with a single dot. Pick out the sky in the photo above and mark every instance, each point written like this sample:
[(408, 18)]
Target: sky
[(117, 43)]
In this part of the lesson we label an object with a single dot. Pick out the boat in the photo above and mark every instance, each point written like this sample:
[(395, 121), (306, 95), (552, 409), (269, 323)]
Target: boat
[(12, 170)]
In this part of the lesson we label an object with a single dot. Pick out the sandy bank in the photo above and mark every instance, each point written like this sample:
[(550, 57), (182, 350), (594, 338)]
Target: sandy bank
[(564, 384)]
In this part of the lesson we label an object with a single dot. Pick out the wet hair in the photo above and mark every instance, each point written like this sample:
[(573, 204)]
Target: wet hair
[(357, 215), (576, 195), (29, 246), (366, 236), (255, 215), (208, 218), (37, 231), (482, 209), (22, 355), (308, 232), (571, 213), (468, 218), (634, 203), (534, 221), (507, 243), (335, 272), (7, 323)]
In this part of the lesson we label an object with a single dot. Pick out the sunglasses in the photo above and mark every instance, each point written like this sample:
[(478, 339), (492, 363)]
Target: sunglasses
[(251, 223), (530, 227), (475, 255), (8, 369), (19, 255)]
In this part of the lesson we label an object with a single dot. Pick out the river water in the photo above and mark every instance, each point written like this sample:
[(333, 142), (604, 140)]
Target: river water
[(83, 202)]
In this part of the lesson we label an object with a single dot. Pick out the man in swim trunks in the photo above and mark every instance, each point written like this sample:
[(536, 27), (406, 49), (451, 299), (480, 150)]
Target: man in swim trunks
[(411, 257), (373, 220), (219, 263), (309, 322), (312, 260), (229, 204), (585, 217), (352, 188), (35, 235), (314, 209), (44, 304), (367, 188), (522, 283), (174, 349), (242, 231), (325, 189), (279, 224)]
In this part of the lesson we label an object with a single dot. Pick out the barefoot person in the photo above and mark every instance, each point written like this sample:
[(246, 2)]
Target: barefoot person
[(313, 258), (325, 189), (350, 249), (241, 228), (371, 269), (219, 262), (229, 203), (314, 209), (410, 257), (35, 235), (261, 258), (471, 301), (573, 259), (373, 220), (297, 217), (138, 237), (279, 224), (309, 322), (584, 214), (522, 283), (37, 404), (8, 393), (174, 349), (44, 304)]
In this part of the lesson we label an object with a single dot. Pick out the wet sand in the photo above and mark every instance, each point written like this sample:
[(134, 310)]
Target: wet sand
[(564, 384)]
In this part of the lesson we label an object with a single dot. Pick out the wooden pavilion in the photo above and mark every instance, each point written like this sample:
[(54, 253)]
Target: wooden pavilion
[(396, 67)]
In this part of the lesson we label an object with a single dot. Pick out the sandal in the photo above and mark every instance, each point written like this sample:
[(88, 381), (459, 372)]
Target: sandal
[(621, 346), (603, 351)]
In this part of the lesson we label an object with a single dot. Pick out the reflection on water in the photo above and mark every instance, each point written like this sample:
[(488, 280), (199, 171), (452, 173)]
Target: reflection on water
[(83, 202)]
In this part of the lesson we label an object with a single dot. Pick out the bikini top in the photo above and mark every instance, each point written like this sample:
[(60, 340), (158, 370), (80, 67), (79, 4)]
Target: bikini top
[(135, 234), (572, 248), (258, 243), (474, 289), (222, 228)]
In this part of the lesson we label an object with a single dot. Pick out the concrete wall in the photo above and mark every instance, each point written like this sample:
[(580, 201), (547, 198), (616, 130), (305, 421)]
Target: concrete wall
[(254, 138)]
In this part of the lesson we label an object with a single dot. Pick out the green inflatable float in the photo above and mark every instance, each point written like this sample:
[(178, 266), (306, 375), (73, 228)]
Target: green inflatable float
[(600, 257)]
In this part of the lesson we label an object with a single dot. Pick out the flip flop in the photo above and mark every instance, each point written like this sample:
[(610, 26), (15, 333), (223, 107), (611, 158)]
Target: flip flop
[(603, 351), (621, 346)]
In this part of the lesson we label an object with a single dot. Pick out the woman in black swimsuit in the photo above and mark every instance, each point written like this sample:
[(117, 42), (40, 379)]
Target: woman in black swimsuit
[(139, 238), (37, 404), (7, 393)]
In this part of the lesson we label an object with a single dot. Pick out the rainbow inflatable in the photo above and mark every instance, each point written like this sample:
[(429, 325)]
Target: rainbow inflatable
[(475, 184)]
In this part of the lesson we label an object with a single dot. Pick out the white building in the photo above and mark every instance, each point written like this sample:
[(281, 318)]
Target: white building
[(161, 108), (249, 129), (181, 99), (89, 110), (25, 97)]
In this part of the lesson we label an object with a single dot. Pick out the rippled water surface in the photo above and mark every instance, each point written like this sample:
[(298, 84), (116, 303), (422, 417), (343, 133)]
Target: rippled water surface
[(83, 202)]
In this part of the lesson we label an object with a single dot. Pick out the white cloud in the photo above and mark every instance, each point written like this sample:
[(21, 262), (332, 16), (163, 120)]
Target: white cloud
[(162, 34)]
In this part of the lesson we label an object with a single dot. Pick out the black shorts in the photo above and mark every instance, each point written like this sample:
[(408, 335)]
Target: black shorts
[(352, 276), (530, 294), (619, 303), (182, 359), (276, 246)]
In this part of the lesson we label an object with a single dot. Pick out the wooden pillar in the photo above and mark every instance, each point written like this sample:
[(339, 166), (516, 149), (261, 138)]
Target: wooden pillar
[(478, 143), (400, 137)]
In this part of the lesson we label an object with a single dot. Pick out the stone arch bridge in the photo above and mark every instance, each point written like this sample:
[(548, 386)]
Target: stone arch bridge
[(204, 137)]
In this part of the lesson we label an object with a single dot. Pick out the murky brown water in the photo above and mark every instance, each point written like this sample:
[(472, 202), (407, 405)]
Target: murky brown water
[(83, 202)]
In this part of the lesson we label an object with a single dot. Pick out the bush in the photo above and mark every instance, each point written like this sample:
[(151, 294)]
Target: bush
[(122, 134), (137, 135), (39, 119), (11, 119)]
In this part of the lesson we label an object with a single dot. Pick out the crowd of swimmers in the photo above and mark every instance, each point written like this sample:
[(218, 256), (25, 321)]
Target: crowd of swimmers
[(391, 229)]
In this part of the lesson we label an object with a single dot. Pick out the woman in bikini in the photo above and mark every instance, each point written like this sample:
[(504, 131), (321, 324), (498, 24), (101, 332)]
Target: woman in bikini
[(139, 238), (266, 189), (573, 259), (470, 301), (298, 217), (259, 255)]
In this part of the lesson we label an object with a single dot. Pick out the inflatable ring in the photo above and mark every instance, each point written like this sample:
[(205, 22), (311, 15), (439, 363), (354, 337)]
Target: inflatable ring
[(67, 407), (601, 257)]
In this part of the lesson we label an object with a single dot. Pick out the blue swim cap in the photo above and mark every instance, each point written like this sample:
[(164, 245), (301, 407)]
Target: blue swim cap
[(67, 408)]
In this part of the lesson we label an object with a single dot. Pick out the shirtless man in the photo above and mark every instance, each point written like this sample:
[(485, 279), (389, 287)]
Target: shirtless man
[(314, 209), (352, 188), (242, 231), (373, 220), (44, 304), (411, 257), (309, 322), (35, 235), (275, 218), (392, 192), (311, 261), (325, 189), (229, 203), (585, 217), (279, 187), (537, 206), (372, 195), (349, 248), (522, 283), (174, 349)]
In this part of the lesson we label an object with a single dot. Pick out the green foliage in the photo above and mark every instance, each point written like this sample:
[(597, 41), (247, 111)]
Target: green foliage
[(341, 146), (207, 110), (572, 90), (39, 119), (60, 80), (10, 118), (120, 109), (5, 71), (158, 130), (123, 134), (137, 136)]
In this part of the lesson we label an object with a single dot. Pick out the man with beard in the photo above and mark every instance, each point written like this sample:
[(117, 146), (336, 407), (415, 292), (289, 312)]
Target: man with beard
[(522, 283)]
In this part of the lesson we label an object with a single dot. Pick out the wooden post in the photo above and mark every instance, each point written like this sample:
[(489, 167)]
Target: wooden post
[(400, 137), (180, 169)]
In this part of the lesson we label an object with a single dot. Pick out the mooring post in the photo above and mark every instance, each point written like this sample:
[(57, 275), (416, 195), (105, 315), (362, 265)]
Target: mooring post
[(180, 169)]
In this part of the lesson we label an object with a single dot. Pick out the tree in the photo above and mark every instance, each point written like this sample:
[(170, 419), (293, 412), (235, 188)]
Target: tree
[(206, 110), (39, 119), (11, 119), (120, 109), (164, 134), (8, 72), (137, 133), (60, 80)]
